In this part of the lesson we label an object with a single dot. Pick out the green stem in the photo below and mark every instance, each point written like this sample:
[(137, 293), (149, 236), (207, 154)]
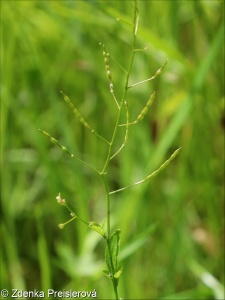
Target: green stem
[(108, 205), (109, 155), (114, 281), (126, 87)]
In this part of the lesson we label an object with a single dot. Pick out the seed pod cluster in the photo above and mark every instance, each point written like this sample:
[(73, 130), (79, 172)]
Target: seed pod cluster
[(107, 67)]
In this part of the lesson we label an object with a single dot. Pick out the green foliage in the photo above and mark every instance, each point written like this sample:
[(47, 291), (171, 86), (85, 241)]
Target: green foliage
[(49, 46), (98, 228), (111, 253)]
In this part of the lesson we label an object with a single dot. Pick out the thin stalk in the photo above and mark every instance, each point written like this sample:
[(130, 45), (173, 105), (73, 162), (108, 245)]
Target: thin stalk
[(156, 172), (64, 149), (126, 87), (107, 204), (115, 288), (158, 72), (114, 281), (109, 235), (118, 64), (126, 134), (109, 155), (80, 118)]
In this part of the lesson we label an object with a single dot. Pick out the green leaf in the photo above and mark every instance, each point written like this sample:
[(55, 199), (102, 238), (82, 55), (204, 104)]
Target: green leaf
[(115, 247), (112, 251), (108, 260), (96, 227), (119, 272)]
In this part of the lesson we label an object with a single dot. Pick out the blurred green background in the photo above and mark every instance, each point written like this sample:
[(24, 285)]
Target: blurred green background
[(172, 241)]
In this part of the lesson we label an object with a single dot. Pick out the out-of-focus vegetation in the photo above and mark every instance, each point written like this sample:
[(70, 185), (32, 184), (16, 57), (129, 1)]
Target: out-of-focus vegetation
[(49, 46)]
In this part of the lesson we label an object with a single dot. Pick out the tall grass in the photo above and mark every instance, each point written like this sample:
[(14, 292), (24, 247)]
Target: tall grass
[(172, 226)]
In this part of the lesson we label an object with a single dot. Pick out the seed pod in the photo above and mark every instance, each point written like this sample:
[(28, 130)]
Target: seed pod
[(146, 108), (76, 112)]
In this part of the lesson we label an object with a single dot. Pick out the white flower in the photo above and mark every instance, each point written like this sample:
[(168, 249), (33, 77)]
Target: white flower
[(60, 200)]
